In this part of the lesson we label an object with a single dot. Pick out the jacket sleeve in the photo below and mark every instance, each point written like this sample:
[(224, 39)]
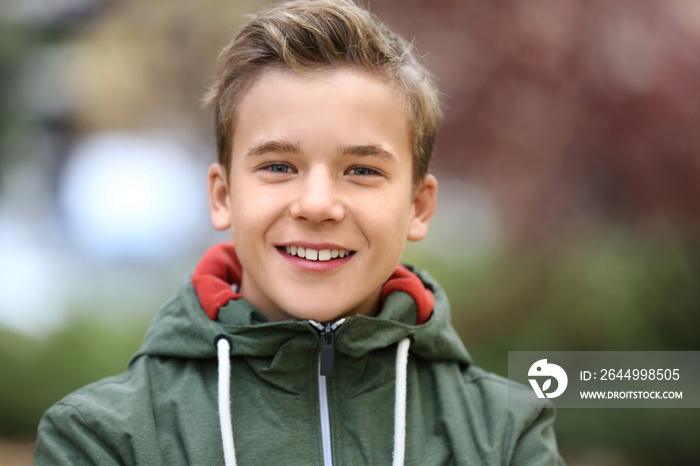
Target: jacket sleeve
[(537, 444), (66, 438)]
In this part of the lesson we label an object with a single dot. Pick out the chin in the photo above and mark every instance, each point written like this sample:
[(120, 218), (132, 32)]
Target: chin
[(317, 304)]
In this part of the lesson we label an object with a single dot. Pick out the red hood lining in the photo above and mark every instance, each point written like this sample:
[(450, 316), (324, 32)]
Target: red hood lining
[(220, 267)]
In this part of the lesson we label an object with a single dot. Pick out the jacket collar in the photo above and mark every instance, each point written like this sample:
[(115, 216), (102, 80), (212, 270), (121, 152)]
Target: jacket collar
[(220, 268)]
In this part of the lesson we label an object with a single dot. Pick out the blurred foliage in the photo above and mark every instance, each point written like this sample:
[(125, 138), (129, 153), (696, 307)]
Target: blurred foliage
[(37, 372), (606, 290)]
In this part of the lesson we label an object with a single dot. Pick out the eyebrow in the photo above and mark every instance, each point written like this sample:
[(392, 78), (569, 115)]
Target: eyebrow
[(282, 147), (288, 147), (367, 150)]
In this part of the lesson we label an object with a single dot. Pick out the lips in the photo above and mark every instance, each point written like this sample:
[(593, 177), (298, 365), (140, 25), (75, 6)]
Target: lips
[(320, 255)]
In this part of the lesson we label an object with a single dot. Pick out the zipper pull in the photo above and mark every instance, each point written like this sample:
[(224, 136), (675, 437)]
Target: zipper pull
[(327, 332), (327, 341)]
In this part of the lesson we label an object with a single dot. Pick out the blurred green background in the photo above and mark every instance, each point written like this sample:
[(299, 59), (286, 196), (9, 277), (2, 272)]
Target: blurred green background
[(569, 168)]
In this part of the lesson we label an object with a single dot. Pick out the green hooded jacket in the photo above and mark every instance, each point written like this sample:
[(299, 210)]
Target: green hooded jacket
[(434, 408)]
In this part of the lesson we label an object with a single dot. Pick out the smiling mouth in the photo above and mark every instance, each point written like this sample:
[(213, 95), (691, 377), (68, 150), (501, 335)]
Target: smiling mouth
[(316, 255)]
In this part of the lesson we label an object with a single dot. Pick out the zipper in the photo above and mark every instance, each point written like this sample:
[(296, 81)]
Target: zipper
[(325, 368)]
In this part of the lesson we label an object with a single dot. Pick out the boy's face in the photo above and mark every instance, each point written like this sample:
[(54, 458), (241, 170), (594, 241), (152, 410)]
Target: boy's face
[(321, 162)]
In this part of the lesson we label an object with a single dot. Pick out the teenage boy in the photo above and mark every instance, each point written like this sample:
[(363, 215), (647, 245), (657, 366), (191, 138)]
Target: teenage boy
[(308, 343)]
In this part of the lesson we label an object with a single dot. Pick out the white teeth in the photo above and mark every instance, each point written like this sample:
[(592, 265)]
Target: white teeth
[(313, 255)]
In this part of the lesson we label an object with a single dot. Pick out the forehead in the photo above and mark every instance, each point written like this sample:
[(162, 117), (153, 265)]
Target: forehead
[(345, 103), (308, 78)]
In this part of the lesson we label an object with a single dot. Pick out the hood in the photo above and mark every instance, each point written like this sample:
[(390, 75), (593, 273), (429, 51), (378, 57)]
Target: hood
[(206, 305)]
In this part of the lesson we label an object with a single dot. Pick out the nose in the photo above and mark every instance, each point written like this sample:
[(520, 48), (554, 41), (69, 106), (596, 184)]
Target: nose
[(317, 199)]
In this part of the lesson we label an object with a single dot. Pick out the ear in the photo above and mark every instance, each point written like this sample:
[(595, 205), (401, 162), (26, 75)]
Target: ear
[(219, 208), (424, 203)]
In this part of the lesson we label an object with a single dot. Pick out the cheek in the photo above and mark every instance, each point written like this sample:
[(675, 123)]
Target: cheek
[(256, 210), (386, 223)]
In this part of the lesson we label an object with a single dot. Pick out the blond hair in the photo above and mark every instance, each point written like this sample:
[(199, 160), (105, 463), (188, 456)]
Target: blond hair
[(313, 35)]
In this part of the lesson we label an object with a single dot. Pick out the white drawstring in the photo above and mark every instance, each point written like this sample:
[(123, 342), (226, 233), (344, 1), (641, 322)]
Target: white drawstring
[(223, 351), (400, 402)]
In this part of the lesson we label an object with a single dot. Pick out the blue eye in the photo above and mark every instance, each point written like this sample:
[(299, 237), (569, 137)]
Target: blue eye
[(362, 171), (278, 168)]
